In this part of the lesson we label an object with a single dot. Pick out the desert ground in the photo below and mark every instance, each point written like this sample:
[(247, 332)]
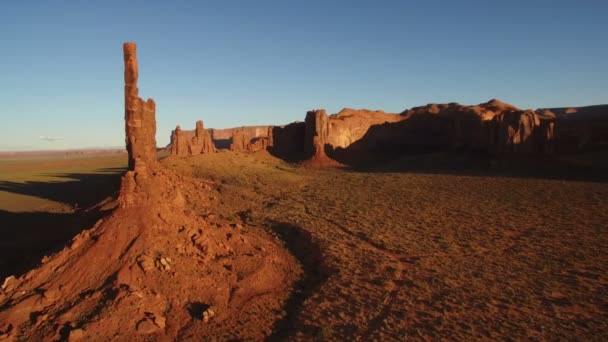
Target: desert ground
[(46, 199), (424, 247)]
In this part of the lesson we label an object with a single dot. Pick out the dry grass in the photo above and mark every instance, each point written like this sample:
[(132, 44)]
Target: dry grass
[(423, 255)]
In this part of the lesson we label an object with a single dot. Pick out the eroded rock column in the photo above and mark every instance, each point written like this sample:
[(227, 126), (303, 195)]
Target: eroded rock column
[(202, 140), (316, 132), (140, 117)]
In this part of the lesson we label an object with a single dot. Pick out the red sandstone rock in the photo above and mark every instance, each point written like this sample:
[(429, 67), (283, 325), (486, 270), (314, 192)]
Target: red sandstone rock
[(270, 136), (239, 141), (140, 121), (180, 144), (183, 144), (316, 137), (201, 143), (242, 142), (250, 131), (350, 125), (493, 127)]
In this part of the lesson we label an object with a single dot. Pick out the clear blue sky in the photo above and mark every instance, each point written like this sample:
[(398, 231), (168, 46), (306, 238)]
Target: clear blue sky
[(235, 63)]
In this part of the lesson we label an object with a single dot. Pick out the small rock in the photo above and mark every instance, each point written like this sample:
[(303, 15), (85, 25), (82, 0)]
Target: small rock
[(160, 321), (208, 314), (145, 262), (76, 335), (145, 327), (9, 283)]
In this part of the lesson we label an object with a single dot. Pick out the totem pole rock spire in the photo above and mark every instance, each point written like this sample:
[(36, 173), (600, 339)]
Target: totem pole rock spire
[(140, 120)]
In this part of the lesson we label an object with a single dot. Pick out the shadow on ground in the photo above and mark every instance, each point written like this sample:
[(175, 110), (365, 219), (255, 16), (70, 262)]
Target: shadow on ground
[(302, 245), (29, 236), (80, 190), (464, 164)]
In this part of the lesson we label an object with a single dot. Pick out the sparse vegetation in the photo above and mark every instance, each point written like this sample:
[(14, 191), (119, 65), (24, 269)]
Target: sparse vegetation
[(433, 255)]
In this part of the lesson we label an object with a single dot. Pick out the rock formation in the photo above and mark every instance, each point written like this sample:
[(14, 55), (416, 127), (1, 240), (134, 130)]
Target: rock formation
[(239, 141), (179, 145), (578, 128), (493, 128), (140, 120), (255, 138), (288, 141), (350, 125), (270, 136), (183, 144), (153, 269), (250, 131), (201, 143), (242, 142), (316, 137)]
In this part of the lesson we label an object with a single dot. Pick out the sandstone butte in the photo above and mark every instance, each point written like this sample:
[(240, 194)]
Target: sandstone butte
[(354, 136), (152, 268)]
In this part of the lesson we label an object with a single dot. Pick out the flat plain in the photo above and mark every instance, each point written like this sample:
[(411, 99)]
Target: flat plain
[(47, 200)]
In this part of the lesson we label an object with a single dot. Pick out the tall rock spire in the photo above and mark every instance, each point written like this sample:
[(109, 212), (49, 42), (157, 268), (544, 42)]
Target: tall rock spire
[(140, 120)]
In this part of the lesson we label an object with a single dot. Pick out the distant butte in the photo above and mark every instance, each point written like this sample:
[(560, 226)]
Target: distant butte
[(353, 136)]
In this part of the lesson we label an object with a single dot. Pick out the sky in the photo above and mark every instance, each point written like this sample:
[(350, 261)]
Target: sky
[(236, 63)]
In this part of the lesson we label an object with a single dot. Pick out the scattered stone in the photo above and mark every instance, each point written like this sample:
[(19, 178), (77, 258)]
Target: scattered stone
[(208, 314), (9, 283), (162, 264), (146, 327), (160, 321), (145, 262), (76, 335)]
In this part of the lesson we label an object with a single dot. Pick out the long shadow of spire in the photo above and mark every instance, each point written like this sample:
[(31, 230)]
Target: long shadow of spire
[(29, 236)]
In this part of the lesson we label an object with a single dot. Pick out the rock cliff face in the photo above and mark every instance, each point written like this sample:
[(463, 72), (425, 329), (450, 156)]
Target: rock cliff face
[(494, 128), (253, 138), (242, 142), (579, 128), (350, 125), (250, 131), (288, 141), (316, 137)]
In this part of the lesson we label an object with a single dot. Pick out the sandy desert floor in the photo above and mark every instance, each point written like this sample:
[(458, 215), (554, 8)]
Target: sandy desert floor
[(387, 255), (398, 255)]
